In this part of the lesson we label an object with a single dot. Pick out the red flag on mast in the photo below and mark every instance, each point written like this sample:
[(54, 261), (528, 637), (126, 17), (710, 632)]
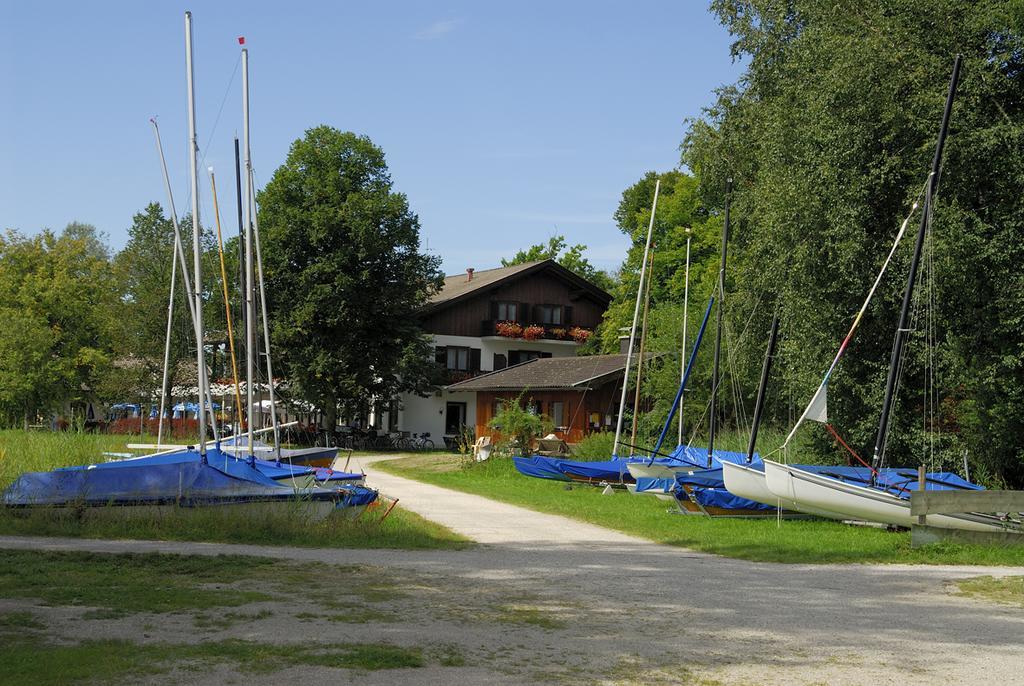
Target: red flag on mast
[(241, 40)]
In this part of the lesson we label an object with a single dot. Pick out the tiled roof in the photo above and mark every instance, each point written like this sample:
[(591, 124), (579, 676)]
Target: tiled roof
[(549, 373), (458, 285)]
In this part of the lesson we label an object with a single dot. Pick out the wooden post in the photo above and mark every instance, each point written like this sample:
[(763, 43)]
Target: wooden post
[(920, 487)]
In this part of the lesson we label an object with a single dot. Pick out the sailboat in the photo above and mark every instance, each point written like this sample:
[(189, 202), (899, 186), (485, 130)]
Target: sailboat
[(873, 493), (196, 476)]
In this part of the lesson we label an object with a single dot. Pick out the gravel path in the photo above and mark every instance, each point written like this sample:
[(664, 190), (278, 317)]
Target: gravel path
[(617, 609)]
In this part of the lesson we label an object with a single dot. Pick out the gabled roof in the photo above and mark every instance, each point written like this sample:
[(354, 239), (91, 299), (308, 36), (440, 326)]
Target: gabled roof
[(550, 373), (458, 287)]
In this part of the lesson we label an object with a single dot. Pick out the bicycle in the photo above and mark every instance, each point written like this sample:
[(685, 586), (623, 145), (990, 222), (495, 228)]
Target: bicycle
[(421, 442)]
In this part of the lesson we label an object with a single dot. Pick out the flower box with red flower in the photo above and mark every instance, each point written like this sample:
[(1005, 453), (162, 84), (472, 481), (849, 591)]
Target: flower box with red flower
[(533, 332), (579, 334), (508, 329)]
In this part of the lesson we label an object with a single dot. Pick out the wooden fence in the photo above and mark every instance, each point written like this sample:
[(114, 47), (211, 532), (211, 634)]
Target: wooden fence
[(924, 503)]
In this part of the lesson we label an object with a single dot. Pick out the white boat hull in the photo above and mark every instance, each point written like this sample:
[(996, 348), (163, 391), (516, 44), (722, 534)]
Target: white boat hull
[(640, 470), (747, 482), (809, 492)]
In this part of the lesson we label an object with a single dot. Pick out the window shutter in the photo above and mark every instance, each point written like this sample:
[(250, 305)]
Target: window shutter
[(524, 313), (535, 316), (494, 309), (441, 356), (567, 314), (474, 359), (499, 361)]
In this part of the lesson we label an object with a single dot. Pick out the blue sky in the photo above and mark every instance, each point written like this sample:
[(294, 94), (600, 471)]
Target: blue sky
[(503, 123)]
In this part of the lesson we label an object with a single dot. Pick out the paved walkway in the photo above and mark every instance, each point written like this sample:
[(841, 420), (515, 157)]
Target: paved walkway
[(488, 521)]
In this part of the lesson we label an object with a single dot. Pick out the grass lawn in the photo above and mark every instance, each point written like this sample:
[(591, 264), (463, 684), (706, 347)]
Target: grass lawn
[(22, 451), (794, 541), (167, 586), (1008, 590)]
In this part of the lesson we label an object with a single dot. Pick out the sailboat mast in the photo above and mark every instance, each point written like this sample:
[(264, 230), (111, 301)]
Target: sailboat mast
[(239, 413), (682, 350), (193, 150), (762, 387), (713, 420), (167, 351), (266, 321), (250, 329), (640, 357), (636, 315), (901, 328), (179, 250), (224, 286)]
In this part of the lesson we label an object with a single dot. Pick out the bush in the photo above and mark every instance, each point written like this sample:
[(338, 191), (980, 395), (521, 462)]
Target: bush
[(596, 446), (518, 427)]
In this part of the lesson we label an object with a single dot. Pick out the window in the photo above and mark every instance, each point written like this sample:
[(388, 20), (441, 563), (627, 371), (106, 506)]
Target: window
[(519, 356), (508, 312), (557, 413), (457, 358), (550, 314)]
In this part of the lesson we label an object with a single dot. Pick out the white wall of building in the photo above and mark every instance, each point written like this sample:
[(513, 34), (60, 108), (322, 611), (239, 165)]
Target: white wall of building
[(418, 414)]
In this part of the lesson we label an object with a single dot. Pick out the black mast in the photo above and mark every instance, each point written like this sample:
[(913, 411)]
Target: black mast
[(901, 328), (718, 323), (766, 370)]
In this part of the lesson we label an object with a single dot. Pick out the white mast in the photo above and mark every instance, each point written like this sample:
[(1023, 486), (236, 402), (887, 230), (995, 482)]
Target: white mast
[(167, 349), (266, 322), (253, 238), (179, 254), (250, 331), (682, 356), (636, 315), (193, 150)]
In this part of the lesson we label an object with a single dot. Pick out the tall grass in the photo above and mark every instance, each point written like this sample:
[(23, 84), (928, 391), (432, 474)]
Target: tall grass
[(40, 451), (36, 451)]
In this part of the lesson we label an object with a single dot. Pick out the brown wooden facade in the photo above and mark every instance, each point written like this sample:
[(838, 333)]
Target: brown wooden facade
[(583, 412), (477, 314)]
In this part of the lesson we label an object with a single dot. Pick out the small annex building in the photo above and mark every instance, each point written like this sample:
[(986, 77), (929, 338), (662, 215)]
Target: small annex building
[(580, 395)]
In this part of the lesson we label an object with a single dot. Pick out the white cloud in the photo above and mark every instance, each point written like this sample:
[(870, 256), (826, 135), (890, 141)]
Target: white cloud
[(438, 29)]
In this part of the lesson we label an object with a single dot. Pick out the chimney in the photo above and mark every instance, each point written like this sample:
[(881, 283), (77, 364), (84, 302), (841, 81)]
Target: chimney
[(469, 273)]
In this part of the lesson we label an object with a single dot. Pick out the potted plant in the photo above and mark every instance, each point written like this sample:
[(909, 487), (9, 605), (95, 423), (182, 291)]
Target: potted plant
[(509, 329), (559, 333), (579, 334), (533, 332)]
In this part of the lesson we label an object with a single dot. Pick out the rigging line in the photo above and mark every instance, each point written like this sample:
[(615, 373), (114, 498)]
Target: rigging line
[(835, 434), (915, 323), (860, 314), (213, 131), (721, 375)]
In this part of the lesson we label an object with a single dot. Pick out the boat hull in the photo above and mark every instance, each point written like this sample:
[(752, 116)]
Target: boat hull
[(809, 491), (747, 482)]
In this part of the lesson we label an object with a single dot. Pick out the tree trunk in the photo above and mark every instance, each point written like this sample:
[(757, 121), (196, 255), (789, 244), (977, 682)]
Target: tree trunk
[(331, 418)]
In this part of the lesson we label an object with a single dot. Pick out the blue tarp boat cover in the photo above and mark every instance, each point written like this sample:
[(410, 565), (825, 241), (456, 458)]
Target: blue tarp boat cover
[(180, 477), (564, 470), (540, 467)]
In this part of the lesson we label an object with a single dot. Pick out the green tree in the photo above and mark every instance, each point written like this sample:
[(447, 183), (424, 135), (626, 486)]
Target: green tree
[(828, 136), (59, 293), (570, 257), (345, 275)]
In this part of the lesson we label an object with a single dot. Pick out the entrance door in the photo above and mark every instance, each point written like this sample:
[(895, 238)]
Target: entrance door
[(454, 418)]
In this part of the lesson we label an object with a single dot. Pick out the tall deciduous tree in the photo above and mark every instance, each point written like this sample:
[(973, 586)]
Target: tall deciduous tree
[(571, 257), (59, 294), (828, 135), (345, 275)]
